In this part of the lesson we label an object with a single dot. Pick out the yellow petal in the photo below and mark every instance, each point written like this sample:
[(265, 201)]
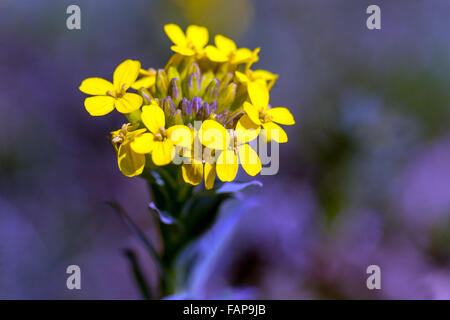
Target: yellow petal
[(242, 55), (192, 173), (227, 165), (182, 50), (96, 86), (163, 152), (129, 102), (143, 144), (210, 175), (213, 135), (126, 74), (99, 105), (153, 118), (175, 34), (252, 112), (180, 136), (275, 132), (259, 95), (144, 82), (246, 130), (281, 115), (197, 35), (224, 44), (264, 74), (215, 54), (249, 160), (130, 163), (241, 77)]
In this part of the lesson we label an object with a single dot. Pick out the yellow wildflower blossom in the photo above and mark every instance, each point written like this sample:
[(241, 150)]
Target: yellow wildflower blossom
[(198, 168), (259, 113), (188, 44), (226, 51), (147, 79), (233, 148), (160, 141), (107, 95), (263, 76), (130, 163)]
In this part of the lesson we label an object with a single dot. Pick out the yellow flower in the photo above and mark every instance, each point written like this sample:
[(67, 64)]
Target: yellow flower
[(193, 42), (263, 76), (160, 141), (233, 148), (147, 79), (107, 95), (226, 51), (198, 168), (258, 113), (130, 163)]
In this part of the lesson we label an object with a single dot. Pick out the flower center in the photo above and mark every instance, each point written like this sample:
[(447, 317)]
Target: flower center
[(116, 93), (161, 135), (264, 117)]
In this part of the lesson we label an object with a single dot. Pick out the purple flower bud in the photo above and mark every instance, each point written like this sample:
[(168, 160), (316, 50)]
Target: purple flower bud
[(186, 107), (213, 106), (223, 117), (168, 106), (175, 90), (193, 85), (196, 104)]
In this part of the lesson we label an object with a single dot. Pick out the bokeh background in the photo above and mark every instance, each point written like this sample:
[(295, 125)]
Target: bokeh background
[(364, 179)]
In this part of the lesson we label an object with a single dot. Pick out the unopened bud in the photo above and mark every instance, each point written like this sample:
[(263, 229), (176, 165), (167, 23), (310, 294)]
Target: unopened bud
[(162, 83), (175, 118), (225, 81), (168, 106), (172, 73), (193, 85), (194, 68), (186, 108), (175, 90), (196, 104), (226, 97), (212, 91)]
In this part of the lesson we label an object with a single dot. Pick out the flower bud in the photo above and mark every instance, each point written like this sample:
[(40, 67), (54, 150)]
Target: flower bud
[(162, 83), (213, 106), (226, 97), (186, 108), (196, 104), (194, 68), (175, 118), (223, 117), (168, 106), (212, 91), (193, 85), (172, 72), (175, 90), (225, 81), (206, 80)]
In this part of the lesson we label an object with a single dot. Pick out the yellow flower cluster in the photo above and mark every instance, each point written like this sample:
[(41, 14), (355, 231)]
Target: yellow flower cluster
[(204, 107)]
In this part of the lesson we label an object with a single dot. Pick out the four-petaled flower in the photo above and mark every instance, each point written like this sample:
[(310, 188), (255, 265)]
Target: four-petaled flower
[(130, 163), (107, 95), (232, 147), (160, 141), (188, 44), (260, 114), (226, 51)]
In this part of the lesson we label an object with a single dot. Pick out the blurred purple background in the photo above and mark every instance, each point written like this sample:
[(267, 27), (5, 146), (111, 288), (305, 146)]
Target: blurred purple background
[(364, 179)]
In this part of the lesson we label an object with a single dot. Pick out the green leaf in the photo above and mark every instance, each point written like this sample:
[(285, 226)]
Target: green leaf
[(163, 216), (139, 276), (230, 187), (138, 233)]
